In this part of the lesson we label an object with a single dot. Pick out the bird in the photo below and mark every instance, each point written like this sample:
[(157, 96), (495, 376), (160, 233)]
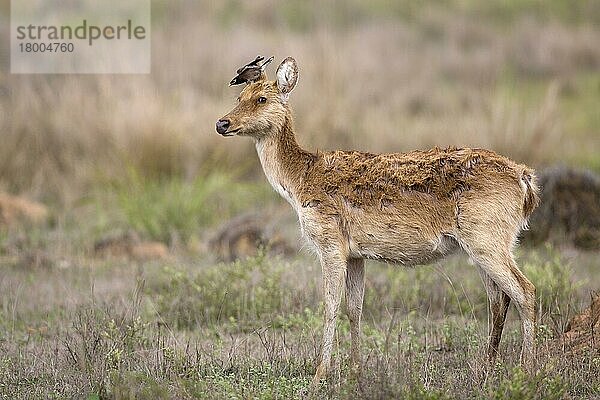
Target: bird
[(251, 71)]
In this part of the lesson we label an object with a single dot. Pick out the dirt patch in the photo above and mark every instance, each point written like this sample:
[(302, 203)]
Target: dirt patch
[(14, 209), (582, 334)]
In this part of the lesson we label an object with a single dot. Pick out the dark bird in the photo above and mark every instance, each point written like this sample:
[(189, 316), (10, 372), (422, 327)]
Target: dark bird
[(251, 71)]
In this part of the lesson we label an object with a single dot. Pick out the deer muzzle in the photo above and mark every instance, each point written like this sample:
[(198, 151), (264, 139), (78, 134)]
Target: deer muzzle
[(222, 126)]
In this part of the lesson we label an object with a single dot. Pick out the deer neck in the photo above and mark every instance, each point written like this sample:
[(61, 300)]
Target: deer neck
[(284, 161)]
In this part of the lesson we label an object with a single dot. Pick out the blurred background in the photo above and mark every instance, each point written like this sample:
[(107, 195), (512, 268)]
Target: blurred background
[(519, 77), (94, 167)]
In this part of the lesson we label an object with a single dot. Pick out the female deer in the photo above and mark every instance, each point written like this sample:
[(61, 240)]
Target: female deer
[(412, 208)]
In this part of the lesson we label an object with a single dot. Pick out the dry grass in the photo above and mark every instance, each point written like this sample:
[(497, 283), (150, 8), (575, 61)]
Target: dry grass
[(376, 78), (187, 328)]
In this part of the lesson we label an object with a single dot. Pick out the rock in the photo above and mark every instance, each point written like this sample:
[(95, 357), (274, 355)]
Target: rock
[(117, 246), (145, 251), (569, 210), (14, 209), (129, 245), (244, 235)]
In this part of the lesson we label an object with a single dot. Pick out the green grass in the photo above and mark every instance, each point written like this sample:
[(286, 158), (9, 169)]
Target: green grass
[(579, 108), (170, 209), (506, 11), (251, 329), (244, 294), (500, 12), (572, 115), (555, 287), (519, 385)]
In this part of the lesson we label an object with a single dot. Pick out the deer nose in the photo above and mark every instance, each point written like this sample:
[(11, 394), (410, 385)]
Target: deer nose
[(222, 126)]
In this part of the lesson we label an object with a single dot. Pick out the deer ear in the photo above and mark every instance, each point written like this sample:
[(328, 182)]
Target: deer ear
[(287, 77)]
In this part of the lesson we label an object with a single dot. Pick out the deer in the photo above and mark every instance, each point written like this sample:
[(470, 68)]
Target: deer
[(410, 208)]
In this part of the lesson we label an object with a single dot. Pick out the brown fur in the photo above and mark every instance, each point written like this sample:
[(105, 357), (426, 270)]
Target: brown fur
[(408, 208)]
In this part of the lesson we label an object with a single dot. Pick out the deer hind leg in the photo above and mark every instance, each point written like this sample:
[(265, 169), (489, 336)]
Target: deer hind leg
[(334, 268), (498, 307), (355, 290), (500, 267)]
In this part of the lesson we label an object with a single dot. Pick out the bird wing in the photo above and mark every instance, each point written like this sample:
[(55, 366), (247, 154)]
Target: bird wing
[(250, 64)]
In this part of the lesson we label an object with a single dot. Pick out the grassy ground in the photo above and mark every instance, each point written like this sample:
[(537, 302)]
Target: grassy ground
[(75, 325)]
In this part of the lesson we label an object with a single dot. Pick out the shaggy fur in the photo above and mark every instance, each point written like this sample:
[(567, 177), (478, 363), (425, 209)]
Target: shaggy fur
[(410, 209)]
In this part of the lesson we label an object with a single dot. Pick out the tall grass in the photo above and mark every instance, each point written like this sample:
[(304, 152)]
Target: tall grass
[(175, 209), (385, 78)]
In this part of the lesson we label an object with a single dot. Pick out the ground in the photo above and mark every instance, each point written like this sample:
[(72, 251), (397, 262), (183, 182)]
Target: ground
[(81, 324)]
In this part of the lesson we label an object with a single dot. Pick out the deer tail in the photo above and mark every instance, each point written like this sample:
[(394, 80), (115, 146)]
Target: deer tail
[(532, 192)]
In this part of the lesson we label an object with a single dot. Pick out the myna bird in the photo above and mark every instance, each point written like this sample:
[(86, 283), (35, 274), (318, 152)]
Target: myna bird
[(251, 71)]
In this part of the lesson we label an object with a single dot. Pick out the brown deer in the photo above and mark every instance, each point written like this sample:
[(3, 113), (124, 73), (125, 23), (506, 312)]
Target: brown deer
[(405, 208)]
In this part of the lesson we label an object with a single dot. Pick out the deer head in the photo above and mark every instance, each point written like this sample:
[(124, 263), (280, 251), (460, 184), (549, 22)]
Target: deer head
[(262, 104)]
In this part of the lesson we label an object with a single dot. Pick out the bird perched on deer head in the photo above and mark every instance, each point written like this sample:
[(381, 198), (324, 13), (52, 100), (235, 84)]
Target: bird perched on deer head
[(251, 71)]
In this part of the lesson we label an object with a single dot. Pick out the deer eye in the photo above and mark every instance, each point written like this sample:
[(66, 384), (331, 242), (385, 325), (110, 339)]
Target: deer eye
[(261, 100), (238, 99)]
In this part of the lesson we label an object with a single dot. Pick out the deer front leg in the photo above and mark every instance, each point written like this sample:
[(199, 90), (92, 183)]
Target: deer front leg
[(355, 290), (334, 268)]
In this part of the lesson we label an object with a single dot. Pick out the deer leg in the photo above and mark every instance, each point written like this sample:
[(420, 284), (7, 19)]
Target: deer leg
[(334, 268), (355, 290), (498, 307), (501, 268), (528, 315)]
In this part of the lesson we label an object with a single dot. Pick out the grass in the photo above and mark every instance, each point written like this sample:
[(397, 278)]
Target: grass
[(240, 294), (176, 209), (192, 328)]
